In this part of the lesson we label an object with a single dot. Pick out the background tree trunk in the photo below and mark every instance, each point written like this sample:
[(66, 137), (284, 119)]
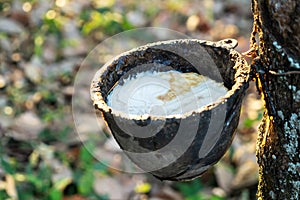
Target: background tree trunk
[(277, 23)]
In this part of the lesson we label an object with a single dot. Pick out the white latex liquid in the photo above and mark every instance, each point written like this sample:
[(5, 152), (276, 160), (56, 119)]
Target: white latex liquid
[(164, 93)]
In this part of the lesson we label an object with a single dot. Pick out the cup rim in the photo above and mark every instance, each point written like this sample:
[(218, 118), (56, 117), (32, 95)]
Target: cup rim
[(241, 79)]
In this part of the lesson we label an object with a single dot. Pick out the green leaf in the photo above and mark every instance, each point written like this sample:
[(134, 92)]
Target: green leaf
[(96, 20), (8, 167), (190, 189), (86, 181), (86, 158), (217, 198), (36, 181), (248, 123), (55, 194), (195, 197), (3, 194), (38, 44)]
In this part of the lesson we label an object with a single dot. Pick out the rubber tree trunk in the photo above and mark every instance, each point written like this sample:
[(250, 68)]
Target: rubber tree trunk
[(277, 26)]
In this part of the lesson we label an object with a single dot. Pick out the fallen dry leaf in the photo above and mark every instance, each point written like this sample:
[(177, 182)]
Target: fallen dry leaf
[(27, 126), (247, 175), (109, 186)]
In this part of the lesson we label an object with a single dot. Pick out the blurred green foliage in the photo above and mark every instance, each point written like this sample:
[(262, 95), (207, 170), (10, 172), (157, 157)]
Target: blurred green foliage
[(36, 181), (248, 123), (30, 169), (192, 191), (103, 18)]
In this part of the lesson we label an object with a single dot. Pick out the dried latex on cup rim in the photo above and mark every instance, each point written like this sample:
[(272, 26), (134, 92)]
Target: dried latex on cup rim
[(201, 136)]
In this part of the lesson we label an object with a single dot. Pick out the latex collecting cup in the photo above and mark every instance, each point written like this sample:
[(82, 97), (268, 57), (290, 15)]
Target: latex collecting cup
[(166, 122)]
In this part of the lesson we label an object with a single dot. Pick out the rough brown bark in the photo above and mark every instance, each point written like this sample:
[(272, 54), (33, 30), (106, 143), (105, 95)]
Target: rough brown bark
[(277, 25)]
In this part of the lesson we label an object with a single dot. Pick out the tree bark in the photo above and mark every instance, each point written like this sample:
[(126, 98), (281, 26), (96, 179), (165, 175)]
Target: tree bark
[(277, 25)]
